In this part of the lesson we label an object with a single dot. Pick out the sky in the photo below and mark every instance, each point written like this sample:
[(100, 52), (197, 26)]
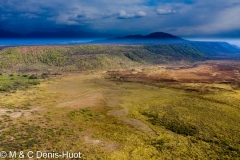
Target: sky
[(185, 18)]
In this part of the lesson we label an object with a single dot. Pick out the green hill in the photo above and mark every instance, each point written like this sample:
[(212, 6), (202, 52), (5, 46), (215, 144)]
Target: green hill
[(91, 57)]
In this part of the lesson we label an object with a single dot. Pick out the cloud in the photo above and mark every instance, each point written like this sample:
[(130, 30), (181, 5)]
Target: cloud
[(77, 17), (29, 15), (161, 11), (221, 22), (124, 15), (191, 17), (140, 14)]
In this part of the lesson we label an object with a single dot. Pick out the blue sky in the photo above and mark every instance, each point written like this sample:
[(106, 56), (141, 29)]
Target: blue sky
[(186, 18)]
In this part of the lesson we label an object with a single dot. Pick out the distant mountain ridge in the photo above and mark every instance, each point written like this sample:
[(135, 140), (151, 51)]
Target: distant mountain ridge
[(7, 34), (159, 39), (151, 36), (81, 34)]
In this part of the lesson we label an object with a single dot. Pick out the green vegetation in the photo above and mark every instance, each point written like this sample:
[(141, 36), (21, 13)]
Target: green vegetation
[(172, 123), (91, 57), (14, 82), (216, 49), (109, 118), (176, 52), (206, 122), (185, 124)]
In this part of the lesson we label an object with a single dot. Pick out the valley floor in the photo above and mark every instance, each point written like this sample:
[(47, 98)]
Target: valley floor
[(158, 112)]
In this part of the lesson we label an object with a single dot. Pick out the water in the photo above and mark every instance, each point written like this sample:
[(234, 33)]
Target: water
[(56, 41), (235, 42), (71, 41)]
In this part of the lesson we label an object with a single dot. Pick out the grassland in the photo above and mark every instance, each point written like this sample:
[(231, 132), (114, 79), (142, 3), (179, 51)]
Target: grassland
[(145, 112)]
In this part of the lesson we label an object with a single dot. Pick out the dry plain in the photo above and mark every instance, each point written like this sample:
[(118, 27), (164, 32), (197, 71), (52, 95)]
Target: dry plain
[(187, 111)]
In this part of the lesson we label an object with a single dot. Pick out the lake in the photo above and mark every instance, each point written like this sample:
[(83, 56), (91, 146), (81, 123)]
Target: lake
[(72, 41), (46, 41)]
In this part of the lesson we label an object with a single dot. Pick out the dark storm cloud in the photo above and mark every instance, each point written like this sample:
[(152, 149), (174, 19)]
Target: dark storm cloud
[(185, 18)]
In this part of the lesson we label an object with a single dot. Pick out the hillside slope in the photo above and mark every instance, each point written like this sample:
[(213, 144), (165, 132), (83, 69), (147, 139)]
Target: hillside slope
[(210, 50), (91, 57), (215, 49)]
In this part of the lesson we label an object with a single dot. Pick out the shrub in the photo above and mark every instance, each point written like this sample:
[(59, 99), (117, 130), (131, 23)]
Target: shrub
[(33, 76), (34, 83), (172, 123), (178, 127), (158, 144), (44, 75), (4, 88)]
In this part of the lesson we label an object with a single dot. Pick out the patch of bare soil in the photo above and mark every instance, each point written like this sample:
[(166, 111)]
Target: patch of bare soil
[(110, 147), (17, 114), (88, 139), (4, 111), (112, 102), (118, 112), (84, 101), (139, 125)]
